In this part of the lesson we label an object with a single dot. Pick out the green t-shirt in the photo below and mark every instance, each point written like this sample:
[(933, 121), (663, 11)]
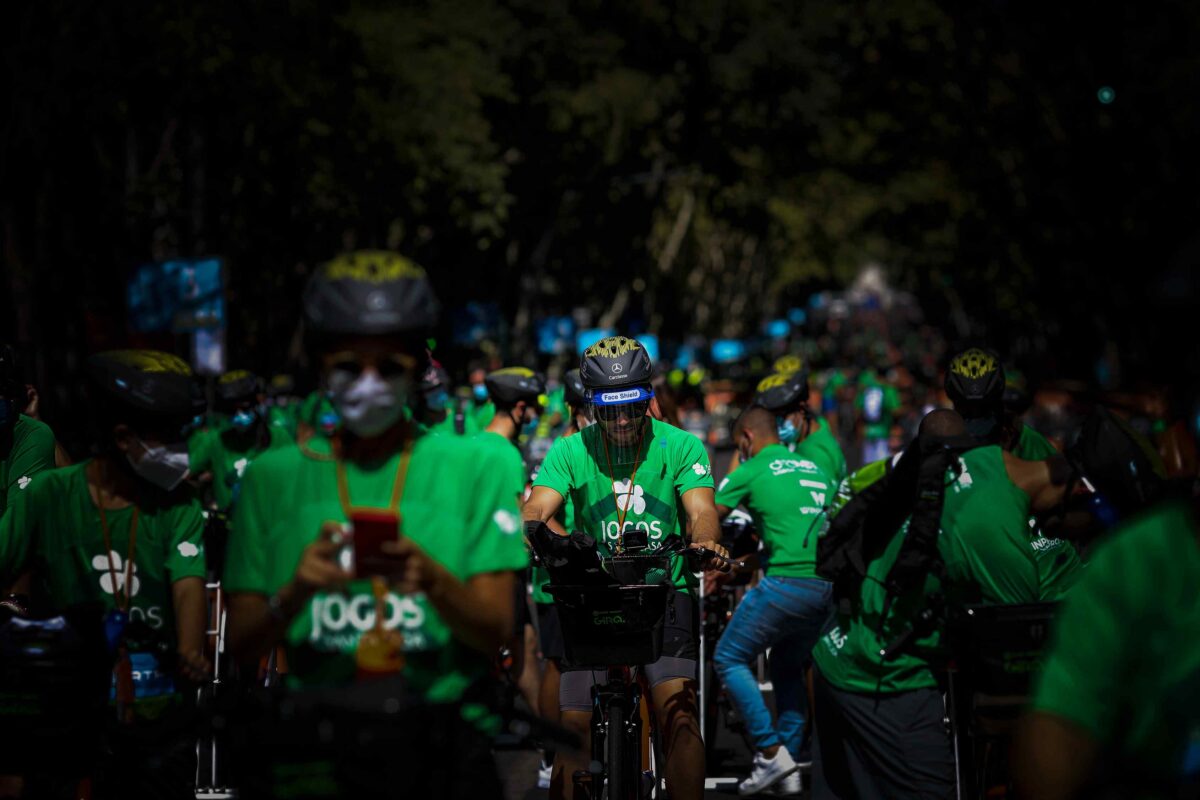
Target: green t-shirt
[(483, 414), (1124, 661), (447, 427), (822, 447), (985, 545), (32, 452), (672, 462), (509, 455), (227, 454), (457, 505), (541, 576), (1059, 565), (53, 529), (1032, 446), (787, 497)]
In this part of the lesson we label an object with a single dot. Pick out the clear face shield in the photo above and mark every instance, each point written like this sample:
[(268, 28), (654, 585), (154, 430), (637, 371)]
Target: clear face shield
[(623, 417)]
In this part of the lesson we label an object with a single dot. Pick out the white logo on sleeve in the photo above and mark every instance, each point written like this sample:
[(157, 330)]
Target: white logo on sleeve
[(239, 466), (629, 498), (24, 481), (506, 521), (188, 550), (101, 563), (701, 469)]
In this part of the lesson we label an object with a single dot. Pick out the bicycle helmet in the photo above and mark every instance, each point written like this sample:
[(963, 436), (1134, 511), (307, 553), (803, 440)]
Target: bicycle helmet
[(975, 381), (238, 386), (149, 381), (782, 392), (616, 362), (434, 378), (788, 364), (1121, 465), (573, 389), (370, 293), (510, 385)]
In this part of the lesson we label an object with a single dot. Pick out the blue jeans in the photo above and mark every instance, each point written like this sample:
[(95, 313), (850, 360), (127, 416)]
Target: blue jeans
[(786, 615)]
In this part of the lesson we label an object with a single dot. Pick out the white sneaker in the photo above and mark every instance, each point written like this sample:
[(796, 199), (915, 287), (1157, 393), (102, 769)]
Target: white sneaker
[(544, 772), (767, 772), (790, 786)]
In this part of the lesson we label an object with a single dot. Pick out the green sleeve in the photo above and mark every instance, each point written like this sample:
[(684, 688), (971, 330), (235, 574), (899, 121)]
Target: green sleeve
[(17, 532), (555, 472), (1082, 675), (736, 485), (493, 537), (185, 557), (694, 471), (246, 554), (200, 447), (32, 452)]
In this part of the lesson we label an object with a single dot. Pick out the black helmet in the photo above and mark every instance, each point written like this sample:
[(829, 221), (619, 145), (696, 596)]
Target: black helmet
[(237, 386), (782, 392), (371, 293), (435, 377), (281, 385), (511, 385), (614, 362), (147, 380), (788, 364), (1118, 462), (975, 383), (574, 391)]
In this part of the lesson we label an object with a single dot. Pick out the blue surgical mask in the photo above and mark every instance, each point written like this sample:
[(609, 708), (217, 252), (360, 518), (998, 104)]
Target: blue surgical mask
[(786, 429), (243, 420), (436, 401), (530, 428), (480, 392)]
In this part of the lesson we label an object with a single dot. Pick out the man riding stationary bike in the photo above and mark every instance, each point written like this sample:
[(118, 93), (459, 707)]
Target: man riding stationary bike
[(630, 472)]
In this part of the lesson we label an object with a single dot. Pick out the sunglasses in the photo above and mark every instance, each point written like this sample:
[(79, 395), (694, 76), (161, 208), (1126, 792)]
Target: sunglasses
[(393, 365)]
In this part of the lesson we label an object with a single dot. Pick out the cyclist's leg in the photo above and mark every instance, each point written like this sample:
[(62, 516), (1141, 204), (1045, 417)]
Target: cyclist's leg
[(575, 703), (788, 657), (673, 689), (678, 717)]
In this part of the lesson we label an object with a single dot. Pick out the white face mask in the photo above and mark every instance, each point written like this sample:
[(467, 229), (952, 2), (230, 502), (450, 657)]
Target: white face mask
[(164, 466), (368, 404)]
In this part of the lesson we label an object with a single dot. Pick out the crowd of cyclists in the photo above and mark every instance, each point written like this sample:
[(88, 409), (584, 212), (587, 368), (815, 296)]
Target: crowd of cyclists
[(333, 586)]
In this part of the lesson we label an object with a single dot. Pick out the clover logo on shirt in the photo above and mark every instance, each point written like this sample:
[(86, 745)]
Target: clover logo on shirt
[(24, 481), (628, 498), (239, 466), (101, 563), (700, 469)]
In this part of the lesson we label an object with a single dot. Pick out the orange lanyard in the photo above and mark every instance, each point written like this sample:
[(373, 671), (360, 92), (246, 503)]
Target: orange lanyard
[(637, 462), (397, 485), (112, 571)]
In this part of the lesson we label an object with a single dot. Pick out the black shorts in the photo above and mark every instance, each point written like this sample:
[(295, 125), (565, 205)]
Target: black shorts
[(680, 657), (550, 636)]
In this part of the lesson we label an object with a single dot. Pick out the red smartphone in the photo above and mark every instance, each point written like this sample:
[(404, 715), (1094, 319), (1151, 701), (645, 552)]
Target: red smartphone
[(372, 527)]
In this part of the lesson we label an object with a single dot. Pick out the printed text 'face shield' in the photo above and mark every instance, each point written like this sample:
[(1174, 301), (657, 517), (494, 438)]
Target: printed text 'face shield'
[(622, 416)]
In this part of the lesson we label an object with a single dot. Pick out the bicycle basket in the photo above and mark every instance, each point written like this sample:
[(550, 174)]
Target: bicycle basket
[(605, 626), (638, 569)]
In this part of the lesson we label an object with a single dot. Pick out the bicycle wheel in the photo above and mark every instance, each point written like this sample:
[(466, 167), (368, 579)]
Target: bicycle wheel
[(617, 768)]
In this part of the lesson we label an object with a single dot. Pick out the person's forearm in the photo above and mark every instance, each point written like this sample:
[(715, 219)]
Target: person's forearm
[(254, 629), (478, 612), (706, 527), (191, 614)]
